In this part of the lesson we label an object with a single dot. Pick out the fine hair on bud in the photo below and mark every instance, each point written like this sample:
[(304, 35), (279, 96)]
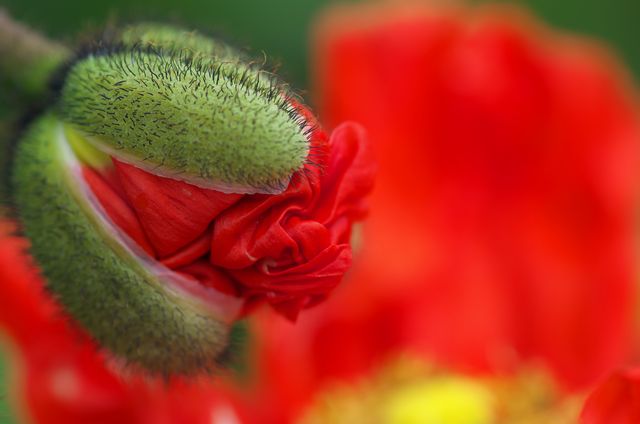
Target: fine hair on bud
[(176, 104)]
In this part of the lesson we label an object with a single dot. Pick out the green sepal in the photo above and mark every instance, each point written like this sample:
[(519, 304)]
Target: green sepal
[(188, 109), (111, 292)]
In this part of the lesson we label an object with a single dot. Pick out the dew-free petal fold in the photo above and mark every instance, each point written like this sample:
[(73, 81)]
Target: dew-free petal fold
[(172, 213)]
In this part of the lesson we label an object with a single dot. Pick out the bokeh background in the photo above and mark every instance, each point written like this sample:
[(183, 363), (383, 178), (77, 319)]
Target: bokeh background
[(280, 28)]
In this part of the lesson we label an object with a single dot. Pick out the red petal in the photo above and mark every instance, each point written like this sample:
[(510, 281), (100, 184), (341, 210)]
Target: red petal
[(615, 401), (210, 276), (117, 209), (188, 254), (172, 213)]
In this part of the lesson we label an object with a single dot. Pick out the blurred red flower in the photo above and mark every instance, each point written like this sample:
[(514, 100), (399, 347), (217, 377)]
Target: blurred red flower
[(502, 225), (505, 203)]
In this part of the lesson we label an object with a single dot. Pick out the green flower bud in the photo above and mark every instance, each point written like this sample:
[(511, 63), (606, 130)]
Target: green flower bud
[(176, 104), (187, 107), (138, 310)]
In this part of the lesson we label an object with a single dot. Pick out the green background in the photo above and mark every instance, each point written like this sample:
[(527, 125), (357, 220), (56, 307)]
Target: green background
[(279, 27)]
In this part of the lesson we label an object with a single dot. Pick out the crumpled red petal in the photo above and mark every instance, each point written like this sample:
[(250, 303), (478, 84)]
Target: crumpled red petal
[(171, 212), (289, 250)]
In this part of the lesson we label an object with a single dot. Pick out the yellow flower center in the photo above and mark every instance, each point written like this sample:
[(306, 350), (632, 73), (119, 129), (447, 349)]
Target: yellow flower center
[(441, 400), (409, 391)]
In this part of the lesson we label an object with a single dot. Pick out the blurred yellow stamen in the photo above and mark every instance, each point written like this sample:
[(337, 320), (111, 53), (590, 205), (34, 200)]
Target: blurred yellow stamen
[(410, 391)]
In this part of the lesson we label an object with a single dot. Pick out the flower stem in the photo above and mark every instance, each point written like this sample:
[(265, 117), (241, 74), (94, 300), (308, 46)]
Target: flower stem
[(27, 58)]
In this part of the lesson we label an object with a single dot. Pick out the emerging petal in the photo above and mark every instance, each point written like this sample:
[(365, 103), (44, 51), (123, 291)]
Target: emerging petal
[(289, 249)]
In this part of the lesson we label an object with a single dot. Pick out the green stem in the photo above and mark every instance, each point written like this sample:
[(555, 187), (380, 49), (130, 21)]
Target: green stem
[(27, 59)]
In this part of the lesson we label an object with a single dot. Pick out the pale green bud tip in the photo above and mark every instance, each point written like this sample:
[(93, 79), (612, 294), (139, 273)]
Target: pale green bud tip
[(175, 39), (187, 107)]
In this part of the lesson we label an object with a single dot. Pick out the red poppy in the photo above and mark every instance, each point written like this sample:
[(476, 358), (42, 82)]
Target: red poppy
[(507, 184), (502, 222)]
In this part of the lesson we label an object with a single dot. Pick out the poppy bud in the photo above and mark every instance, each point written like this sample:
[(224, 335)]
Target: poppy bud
[(175, 185)]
